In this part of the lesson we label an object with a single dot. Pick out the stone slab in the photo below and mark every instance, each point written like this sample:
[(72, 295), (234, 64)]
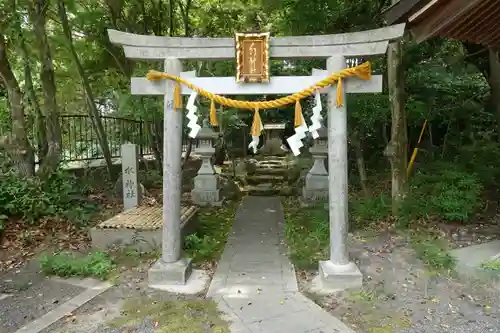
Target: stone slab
[(469, 260), (63, 310), (255, 284), (33, 302)]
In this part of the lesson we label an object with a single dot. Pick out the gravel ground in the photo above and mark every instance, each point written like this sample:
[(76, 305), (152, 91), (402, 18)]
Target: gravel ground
[(94, 316), (400, 295), (29, 295)]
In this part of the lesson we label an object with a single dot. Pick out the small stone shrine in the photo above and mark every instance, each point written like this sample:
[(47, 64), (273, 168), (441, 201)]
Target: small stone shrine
[(273, 133)]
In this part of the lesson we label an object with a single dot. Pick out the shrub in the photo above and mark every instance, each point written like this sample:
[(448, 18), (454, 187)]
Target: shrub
[(369, 209), (446, 191), (64, 264), (60, 195)]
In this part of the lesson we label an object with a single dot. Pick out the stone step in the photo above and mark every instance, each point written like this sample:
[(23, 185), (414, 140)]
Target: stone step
[(271, 171), (265, 190), (259, 179)]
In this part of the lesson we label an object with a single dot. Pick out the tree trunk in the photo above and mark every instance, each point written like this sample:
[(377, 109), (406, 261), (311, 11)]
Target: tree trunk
[(397, 149), (494, 81), (360, 161), (93, 111), (38, 11), (41, 134), (16, 144), (188, 153)]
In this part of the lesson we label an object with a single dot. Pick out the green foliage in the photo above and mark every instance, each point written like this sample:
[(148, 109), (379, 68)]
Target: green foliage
[(482, 158), (3, 219), (491, 265), (150, 178), (433, 253), (365, 210), (63, 264), (213, 226), (446, 191), (307, 234), (60, 195)]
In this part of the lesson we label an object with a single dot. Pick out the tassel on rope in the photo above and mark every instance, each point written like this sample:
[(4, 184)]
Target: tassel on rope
[(364, 71), (256, 124), (155, 75), (177, 96), (340, 102), (213, 114), (298, 114)]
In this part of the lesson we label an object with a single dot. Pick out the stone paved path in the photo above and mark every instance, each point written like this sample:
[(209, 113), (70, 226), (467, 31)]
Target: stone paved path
[(255, 284)]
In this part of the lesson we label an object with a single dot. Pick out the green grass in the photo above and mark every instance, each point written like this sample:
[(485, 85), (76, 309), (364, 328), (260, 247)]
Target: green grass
[(64, 264), (214, 224), (492, 265), (433, 252), (177, 316), (307, 234)]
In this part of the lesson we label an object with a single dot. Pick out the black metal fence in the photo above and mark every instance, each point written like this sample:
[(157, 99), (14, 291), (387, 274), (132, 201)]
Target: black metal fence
[(80, 143)]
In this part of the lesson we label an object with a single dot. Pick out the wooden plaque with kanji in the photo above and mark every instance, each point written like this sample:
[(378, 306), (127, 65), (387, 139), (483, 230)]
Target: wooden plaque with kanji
[(252, 57)]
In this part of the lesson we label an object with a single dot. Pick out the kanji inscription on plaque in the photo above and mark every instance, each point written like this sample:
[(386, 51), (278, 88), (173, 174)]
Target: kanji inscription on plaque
[(252, 57)]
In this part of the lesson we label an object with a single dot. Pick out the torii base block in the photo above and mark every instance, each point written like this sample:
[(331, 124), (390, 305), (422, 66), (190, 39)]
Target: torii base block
[(162, 273), (333, 278), (177, 277)]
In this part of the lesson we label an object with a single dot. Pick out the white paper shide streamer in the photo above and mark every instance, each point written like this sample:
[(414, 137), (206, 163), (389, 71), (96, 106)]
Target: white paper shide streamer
[(295, 141), (191, 115), (316, 116), (255, 140)]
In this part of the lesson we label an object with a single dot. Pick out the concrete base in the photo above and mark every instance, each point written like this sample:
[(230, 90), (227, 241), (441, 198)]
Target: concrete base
[(197, 283), (177, 273), (334, 278)]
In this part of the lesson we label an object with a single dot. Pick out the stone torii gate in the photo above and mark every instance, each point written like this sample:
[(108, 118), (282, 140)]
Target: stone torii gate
[(336, 273)]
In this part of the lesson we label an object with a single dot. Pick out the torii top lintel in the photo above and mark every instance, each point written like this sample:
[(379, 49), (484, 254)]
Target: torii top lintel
[(369, 42)]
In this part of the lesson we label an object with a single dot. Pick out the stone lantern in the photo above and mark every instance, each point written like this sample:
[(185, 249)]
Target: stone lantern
[(206, 184), (316, 183)]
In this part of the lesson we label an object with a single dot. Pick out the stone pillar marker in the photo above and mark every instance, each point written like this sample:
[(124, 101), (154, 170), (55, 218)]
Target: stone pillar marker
[(206, 184), (130, 177), (338, 273), (171, 269), (316, 184)]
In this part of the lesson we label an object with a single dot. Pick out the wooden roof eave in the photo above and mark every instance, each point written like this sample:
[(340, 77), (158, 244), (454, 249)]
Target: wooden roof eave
[(401, 11)]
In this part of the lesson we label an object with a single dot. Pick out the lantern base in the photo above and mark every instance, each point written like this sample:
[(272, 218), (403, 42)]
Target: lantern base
[(207, 197)]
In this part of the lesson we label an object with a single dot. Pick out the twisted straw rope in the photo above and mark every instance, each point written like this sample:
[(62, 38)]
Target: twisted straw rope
[(362, 71)]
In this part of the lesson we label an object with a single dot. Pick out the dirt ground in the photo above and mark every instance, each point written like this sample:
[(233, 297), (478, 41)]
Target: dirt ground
[(124, 308), (401, 294)]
